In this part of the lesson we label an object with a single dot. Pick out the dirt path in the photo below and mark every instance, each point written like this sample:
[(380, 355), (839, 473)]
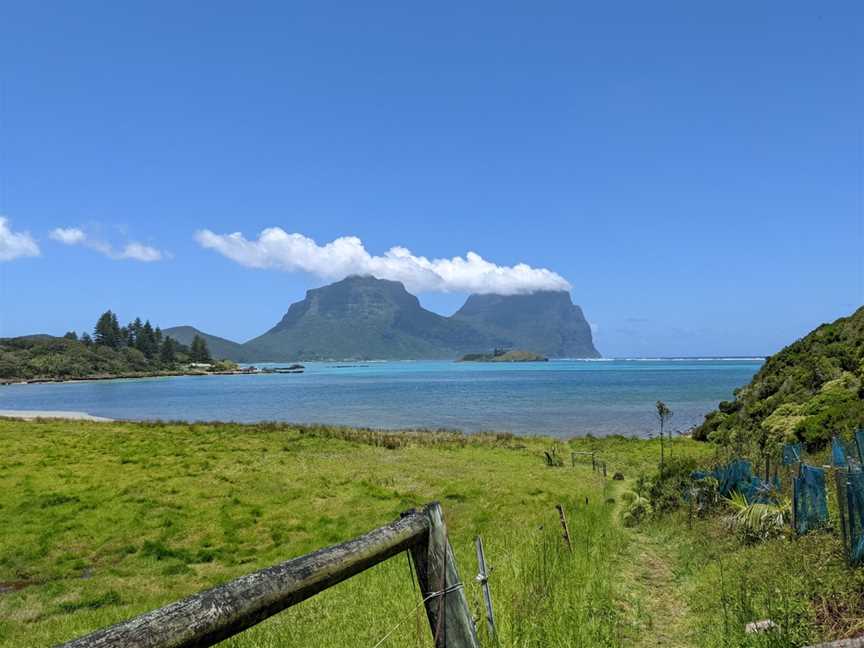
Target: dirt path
[(653, 600), (661, 608)]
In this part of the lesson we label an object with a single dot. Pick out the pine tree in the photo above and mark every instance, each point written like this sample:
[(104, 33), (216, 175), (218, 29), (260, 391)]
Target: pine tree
[(135, 333), (86, 339), (167, 355), (115, 331), (199, 351), (107, 331), (145, 341), (71, 335)]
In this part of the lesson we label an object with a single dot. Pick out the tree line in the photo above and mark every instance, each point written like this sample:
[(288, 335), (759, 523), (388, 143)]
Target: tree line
[(144, 337), (108, 350)]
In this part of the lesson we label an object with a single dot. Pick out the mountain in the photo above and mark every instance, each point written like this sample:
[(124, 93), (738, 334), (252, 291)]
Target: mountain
[(365, 318), (545, 322), (809, 391), (369, 318), (220, 348)]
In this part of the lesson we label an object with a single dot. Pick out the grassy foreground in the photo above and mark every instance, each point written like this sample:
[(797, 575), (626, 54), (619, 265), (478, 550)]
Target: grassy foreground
[(104, 521)]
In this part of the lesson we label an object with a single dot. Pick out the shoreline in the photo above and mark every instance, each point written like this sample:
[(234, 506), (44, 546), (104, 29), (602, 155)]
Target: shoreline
[(31, 415), (5, 382)]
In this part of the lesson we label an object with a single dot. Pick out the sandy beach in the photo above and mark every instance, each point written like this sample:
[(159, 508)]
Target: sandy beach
[(29, 415)]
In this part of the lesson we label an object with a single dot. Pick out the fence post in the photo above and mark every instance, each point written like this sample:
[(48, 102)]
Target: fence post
[(566, 533), (447, 610), (483, 579)]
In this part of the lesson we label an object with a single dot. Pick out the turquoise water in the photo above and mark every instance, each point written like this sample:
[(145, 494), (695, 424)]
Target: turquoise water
[(561, 397)]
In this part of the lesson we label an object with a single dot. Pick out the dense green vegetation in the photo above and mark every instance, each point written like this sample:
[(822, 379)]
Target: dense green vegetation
[(103, 521), (112, 350), (809, 391), (219, 347), (500, 355)]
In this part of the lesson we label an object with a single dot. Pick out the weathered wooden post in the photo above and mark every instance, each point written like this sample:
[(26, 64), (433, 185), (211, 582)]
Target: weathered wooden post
[(483, 579), (566, 534), (443, 593)]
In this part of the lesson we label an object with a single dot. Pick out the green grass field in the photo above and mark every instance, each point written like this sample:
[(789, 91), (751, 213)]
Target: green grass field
[(104, 521)]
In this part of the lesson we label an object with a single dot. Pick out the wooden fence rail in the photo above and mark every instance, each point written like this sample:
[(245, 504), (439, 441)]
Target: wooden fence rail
[(216, 614)]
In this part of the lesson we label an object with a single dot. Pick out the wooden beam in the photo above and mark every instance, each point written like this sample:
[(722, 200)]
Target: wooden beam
[(209, 617)]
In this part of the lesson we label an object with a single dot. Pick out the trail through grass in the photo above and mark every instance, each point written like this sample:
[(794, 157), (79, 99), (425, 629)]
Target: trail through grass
[(658, 607)]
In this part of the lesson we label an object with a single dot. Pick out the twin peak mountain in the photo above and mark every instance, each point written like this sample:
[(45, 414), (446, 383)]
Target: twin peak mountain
[(366, 318)]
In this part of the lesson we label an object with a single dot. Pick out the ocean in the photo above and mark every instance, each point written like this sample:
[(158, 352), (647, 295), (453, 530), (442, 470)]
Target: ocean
[(559, 398)]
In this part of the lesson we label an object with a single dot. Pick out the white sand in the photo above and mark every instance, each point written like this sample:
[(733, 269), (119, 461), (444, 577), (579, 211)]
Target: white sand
[(29, 415)]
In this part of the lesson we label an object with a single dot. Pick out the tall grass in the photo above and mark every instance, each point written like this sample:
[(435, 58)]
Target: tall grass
[(105, 521), (544, 594)]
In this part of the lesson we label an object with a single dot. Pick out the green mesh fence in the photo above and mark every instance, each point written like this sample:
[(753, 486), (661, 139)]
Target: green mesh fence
[(791, 453), (859, 444), (809, 500), (850, 497), (838, 453), (738, 476)]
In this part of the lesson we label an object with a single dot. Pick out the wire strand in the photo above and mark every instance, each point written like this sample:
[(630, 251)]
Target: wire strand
[(441, 593)]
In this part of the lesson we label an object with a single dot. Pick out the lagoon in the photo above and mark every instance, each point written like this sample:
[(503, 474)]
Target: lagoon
[(560, 398)]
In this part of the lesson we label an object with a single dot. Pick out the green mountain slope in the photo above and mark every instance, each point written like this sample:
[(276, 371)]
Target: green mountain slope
[(364, 318), (809, 391), (545, 322), (369, 318), (220, 348)]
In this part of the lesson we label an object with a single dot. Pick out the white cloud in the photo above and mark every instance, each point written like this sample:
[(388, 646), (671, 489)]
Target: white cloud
[(141, 252), (67, 235), (132, 250), (275, 248), (14, 245)]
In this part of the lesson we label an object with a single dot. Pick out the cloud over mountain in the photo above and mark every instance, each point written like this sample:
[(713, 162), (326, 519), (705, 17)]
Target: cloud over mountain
[(131, 250), (277, 249), (14, 245)]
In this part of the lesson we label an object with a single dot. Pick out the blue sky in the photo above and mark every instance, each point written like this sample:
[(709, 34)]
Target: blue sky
[(693, 172)]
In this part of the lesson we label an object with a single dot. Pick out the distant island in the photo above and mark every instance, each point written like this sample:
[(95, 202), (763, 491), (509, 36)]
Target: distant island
[(501, 355)]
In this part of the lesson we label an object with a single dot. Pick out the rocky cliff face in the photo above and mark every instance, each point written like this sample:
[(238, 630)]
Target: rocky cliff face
[(364, 317), (544, 322), (369, 318)]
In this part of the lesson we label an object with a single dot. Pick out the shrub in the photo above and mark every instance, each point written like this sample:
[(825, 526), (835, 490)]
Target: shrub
[(640, 508), (758, 521), (667, 488)]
